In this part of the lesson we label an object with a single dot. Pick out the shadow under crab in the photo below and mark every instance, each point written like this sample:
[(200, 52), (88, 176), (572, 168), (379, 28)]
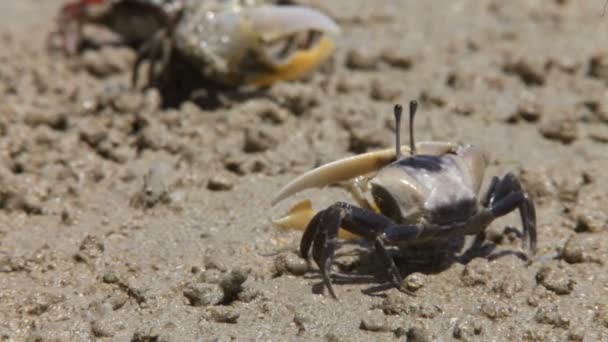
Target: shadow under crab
[(359, 266)]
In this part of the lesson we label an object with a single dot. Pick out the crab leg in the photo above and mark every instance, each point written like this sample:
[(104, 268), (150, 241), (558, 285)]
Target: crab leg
[(348, 168), (320, 237), (299, 217)]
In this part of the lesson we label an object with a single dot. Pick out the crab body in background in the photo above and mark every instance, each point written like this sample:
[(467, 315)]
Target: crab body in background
[(423, 199), (133, 21), (228, 42)]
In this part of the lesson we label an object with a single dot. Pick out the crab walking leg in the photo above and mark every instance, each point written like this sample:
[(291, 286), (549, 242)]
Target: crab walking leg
[(321, 237), (485, 200), (509, 195), (299, 217)]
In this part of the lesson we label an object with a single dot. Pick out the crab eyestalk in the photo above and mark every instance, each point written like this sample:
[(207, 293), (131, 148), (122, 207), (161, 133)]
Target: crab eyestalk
[(413, 108), (398, 110)]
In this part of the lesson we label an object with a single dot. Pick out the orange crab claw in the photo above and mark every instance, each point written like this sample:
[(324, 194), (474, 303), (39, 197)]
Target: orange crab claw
[(290, 42), (303, 63)]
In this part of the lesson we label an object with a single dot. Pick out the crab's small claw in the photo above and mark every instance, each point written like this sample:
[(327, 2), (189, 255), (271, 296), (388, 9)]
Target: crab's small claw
[(293, 41), (300, 215), (348, 168)]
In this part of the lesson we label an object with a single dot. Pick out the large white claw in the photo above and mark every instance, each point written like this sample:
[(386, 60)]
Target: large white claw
[(348, 168), (278, 21)]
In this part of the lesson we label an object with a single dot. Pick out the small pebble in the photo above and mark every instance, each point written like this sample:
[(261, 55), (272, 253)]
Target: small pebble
[(598, 66), (359, 59), (107, 326), (539, 296), (414, 281), (109, 277), (203, 294), (302, 321), (582, 248), (374, 321), (564, 130), (40, 303), (290, 263), (532, 74), (576, 334), (260, 138), (395, 303), (219, 183), (495, 310), (467, 328), (529, 108), (128, 102), (384, 91), (117, 300), (10, 264), (396, 58), (53, 119), (222, 314), (477, 272), (211, 276), (419, 334), (590, 218), (552, 316), (249, 294), (508, 286)]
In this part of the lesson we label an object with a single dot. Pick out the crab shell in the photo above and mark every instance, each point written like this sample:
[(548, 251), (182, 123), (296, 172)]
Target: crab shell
[(370, 165), (248, 42), (134, 21)]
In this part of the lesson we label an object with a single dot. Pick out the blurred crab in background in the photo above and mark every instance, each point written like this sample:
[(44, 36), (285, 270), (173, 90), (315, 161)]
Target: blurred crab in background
[(224, 42), (133, 21)]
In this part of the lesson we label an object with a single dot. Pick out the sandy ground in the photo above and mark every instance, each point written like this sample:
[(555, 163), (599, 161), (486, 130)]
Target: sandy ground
[(85, 254)]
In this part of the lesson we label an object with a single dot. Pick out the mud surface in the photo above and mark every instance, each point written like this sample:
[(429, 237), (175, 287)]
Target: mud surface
[(120, 220)]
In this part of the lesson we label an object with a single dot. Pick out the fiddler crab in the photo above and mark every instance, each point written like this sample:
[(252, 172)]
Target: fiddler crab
[(230, 42), (134, 21), (415, 196)]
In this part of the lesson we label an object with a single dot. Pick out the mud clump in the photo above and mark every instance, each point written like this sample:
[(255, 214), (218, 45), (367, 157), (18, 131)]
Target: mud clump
[(375, 321), (556, 280), (551, 315), (584, 249), (477, 272), (414, 281), (467, 328), (359, 59), (564, 130), (289, 263), (530, 73), (204, 294), (220, 183)]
